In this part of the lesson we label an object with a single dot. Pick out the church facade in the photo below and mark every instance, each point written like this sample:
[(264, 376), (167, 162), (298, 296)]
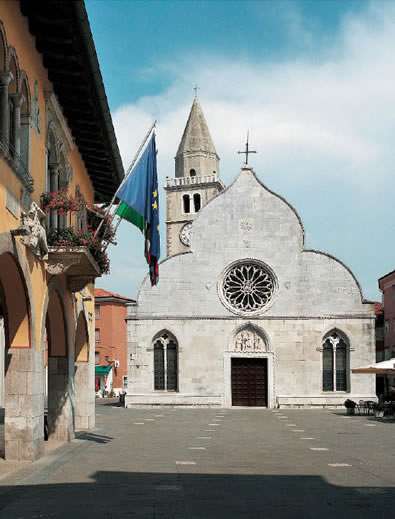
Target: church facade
[(243, 314)]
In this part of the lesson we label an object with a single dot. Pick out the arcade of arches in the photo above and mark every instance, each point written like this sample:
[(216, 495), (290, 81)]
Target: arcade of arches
[(44, 359), (47, 292)]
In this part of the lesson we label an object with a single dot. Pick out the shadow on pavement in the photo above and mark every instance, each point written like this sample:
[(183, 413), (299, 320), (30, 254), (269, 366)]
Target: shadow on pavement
[(97, 438), (112, 404), (196, 496), (388, 419)]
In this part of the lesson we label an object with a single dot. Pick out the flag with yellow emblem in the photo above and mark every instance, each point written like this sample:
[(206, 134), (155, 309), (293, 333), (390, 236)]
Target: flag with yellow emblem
[(140, 204)]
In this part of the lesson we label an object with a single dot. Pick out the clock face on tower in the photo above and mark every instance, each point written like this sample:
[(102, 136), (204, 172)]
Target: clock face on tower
[(185, 234)]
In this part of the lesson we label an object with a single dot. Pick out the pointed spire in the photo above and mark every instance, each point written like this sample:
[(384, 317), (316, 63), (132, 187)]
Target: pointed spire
[(196, 135)]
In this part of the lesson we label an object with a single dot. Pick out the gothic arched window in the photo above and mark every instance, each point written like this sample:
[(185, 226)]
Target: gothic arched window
[(196, 202), (335, 362), (25, 122), (165, 362), (159, 366), (14, 100), (186, 203)]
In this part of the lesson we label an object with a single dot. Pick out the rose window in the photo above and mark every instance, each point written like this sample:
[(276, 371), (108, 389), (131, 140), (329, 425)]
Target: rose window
[(248, 286)]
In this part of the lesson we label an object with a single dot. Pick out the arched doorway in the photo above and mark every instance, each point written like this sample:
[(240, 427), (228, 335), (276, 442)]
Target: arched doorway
[(20, 367), (60, 425), (249, 369), (2, 377)]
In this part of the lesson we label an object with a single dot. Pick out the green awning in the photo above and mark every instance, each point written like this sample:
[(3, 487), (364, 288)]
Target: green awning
[(102, 370)]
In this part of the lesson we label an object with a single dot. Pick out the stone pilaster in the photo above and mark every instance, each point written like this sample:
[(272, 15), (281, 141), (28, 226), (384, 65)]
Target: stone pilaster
[(60, 416), (24, 405), (84, 397)]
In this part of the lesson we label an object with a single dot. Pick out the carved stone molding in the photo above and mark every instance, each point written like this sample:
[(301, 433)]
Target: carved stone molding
[(76, 262), (246, 225), (56, 115), (248, 340), (55, 269), (32, 232)]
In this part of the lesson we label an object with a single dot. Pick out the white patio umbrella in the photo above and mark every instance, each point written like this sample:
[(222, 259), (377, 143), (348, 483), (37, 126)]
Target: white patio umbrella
[(386, 367)]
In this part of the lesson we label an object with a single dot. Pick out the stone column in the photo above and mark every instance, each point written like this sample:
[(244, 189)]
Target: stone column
[(165, 365), (25, 140), (5, 78), (16, 99), (24, 405), (84, 396), (2, 358), (54, 186), (60, 416), (62, 220)]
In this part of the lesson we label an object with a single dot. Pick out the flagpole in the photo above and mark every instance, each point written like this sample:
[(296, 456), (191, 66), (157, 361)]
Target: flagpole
[(128, 171)]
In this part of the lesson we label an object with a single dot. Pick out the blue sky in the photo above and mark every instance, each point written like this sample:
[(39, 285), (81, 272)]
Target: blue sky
[(313, 81)]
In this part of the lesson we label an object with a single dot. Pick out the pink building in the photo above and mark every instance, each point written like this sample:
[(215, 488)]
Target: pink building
[(111, 369), (379, 326)]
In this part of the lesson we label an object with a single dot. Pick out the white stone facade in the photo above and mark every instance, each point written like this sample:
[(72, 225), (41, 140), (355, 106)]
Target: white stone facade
[(313, 294)]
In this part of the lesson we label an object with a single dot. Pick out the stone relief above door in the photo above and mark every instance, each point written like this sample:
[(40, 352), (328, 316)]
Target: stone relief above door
[(249, 340)]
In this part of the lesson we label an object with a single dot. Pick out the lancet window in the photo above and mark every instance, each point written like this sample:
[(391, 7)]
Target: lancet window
[(186, 203), (196, 202), (165, 363), (335, 362), (25, 122), (58, 169), (191, 204)]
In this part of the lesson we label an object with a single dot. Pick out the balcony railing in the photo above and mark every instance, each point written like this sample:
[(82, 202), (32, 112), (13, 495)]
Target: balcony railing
[(187, 181), (14, 161), (68, 235)]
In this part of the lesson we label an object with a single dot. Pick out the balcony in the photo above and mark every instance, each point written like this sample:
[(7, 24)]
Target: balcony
[(77, 263), (75, 246)]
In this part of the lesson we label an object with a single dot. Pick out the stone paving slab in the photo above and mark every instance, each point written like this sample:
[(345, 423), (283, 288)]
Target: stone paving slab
[(253, 466)]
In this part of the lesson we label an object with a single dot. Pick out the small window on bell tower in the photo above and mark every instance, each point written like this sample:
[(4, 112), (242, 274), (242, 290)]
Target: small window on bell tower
[(192, 173), (186, 203), (196, 202)]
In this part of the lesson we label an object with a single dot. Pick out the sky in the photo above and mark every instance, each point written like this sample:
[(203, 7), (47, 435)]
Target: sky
[(313, 81)]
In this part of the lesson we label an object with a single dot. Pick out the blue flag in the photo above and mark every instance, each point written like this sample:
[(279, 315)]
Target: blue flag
[(139, 205)]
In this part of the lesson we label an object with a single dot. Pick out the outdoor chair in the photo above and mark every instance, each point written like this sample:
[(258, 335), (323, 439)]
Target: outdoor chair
[(362, 408), (370, 407)]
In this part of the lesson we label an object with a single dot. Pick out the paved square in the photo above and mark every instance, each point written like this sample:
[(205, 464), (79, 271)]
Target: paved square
[(254, 466)]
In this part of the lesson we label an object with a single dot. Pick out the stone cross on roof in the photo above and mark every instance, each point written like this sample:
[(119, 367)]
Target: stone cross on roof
[(247, 151)]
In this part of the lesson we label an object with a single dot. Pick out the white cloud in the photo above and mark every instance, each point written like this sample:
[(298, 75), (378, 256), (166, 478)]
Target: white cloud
[(325, 124)]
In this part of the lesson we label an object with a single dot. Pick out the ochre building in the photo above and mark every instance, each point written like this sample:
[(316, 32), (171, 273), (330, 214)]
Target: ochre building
[(58, 156)]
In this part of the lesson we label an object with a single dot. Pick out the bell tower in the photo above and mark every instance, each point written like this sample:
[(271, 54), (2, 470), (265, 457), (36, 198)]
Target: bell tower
[(196, 180)]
